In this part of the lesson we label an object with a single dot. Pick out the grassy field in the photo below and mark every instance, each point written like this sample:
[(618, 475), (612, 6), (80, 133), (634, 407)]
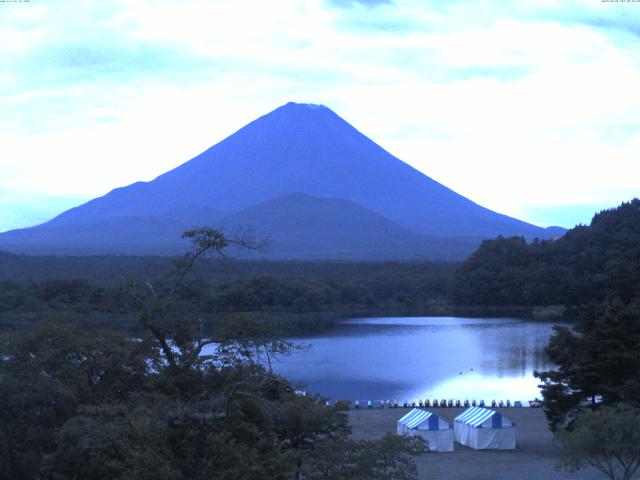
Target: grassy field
[(534, 458)]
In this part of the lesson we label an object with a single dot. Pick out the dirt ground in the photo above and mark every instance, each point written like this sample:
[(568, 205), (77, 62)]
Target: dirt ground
[(533, 459)]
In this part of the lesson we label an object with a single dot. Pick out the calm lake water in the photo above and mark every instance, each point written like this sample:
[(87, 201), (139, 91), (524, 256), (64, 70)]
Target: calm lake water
[(426, 357)]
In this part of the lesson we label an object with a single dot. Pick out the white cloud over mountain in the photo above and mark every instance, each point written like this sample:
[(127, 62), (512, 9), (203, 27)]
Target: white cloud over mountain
[(520, 106)]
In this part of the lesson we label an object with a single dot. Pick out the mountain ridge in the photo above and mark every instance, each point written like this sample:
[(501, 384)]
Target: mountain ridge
[(295, 148)]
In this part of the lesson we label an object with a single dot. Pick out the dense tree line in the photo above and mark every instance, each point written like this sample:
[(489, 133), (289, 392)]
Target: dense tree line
[(113, 269), (308, 302), (588, 264)]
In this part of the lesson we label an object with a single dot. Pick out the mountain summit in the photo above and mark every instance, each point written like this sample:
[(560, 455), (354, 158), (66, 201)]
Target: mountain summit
[(297, 148)]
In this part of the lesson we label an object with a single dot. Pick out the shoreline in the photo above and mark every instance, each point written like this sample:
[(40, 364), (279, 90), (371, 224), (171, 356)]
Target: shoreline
[(535, 456)]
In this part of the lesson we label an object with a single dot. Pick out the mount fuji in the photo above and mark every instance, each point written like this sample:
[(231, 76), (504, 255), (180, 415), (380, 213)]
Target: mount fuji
[(300, 176)]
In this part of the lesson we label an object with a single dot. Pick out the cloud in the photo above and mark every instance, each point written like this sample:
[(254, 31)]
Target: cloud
[(366, 3), (84, 61), (18, 206), (558, 215), (519, 105)]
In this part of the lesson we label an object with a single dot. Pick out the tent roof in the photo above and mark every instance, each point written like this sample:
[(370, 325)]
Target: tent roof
[(417, 417), (476, 416)]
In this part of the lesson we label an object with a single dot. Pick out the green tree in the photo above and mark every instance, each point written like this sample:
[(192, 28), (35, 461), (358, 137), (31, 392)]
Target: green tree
[(113, 442), (390, 458), (607, 439), (47, 376), (599, 358), (586, 265)]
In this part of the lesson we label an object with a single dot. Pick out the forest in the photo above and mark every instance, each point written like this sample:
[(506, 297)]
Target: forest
[(505, 276), (300, 296), (586, 265)]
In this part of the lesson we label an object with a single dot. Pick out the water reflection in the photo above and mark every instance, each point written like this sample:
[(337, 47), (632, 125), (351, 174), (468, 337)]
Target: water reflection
[(410, 358)]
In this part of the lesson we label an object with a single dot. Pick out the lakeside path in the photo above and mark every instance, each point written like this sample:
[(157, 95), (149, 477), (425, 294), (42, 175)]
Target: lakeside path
[(534, 459)]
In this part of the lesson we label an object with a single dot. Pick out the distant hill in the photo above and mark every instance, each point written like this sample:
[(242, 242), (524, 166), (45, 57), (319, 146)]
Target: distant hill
[(299, 226), (297, 148), (586, 265)]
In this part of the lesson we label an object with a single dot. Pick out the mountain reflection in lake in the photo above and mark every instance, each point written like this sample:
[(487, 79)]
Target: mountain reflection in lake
[(426, 357)]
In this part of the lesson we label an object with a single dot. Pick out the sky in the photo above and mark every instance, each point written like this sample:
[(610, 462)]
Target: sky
[(528, 107)]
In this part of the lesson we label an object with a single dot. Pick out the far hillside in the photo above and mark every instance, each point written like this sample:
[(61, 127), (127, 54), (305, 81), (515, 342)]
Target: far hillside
[(113, 269), (298, 296), (586, 265)]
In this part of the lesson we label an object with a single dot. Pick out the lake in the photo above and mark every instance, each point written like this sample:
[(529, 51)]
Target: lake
[(422, 357)]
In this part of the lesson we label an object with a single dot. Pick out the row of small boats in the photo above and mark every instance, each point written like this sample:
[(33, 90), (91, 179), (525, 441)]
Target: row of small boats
[(444, 403)]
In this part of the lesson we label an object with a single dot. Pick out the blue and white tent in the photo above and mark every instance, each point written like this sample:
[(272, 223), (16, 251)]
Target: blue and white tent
[(433, 429), (481, 428)]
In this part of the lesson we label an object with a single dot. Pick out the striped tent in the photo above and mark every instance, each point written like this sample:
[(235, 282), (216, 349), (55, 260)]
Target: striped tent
[(481, 428), (436, 432)]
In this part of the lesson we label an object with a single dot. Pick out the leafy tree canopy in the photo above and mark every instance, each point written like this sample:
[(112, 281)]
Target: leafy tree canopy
[(78, 403), (597, 359), (586, 265), (607, 439)]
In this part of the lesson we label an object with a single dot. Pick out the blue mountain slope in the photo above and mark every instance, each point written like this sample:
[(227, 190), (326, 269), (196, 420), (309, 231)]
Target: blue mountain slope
[(296, 148)]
